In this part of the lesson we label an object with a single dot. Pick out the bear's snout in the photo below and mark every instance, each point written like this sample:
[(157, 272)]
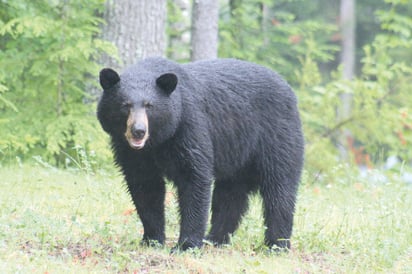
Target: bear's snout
[(138, 131)]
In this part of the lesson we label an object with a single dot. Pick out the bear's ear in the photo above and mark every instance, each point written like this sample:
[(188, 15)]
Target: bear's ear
[(108, 78), (167, 82)]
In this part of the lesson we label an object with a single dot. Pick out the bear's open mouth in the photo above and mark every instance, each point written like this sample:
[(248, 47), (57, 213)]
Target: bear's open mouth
[(137, 143)]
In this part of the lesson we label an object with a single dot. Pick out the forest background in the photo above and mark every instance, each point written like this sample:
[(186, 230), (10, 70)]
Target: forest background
[(63, 208), (51, 52)]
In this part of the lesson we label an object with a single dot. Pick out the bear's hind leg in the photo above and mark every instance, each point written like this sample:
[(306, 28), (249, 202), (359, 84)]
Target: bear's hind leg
[(278, 204), (229, 203)]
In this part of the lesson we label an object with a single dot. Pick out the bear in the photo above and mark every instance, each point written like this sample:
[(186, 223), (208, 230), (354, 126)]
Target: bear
[(220, 130)]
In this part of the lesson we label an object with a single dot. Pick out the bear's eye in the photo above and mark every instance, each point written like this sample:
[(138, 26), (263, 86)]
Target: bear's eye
[(126, 106), (148, 105)]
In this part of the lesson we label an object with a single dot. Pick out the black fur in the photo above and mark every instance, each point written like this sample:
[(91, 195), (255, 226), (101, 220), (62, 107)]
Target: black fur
[(227, 121), (108, 78), (167, 82)]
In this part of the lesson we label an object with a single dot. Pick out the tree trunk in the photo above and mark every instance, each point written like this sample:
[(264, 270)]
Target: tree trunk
[(265, 22), (179, 30), (348, 25), (137, 28), (205, 16)]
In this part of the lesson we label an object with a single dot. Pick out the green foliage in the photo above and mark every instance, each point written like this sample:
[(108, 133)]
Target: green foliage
[(318, 104), (257, 31), (383, 95), (4, 101), (381, 119), (48, 51)]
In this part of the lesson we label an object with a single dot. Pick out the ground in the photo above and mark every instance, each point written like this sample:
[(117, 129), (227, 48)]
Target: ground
[(54, 221)]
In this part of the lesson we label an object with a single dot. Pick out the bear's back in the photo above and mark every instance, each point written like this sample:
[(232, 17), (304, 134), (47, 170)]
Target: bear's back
[(245, 104), (239, 84)]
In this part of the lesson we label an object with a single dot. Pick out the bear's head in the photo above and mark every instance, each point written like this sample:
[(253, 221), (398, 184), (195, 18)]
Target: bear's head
[(142, 106)]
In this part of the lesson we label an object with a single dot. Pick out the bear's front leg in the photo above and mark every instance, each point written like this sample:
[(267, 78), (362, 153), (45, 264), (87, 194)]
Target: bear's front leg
[(148, 198), (194, 201)]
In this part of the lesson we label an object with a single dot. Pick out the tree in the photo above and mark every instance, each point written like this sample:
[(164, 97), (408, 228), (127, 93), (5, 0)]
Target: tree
[(178, 29), (137, 28), (48, 51), (348, 26), (205, 16)]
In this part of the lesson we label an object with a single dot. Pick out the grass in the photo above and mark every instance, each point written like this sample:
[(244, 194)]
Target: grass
[(54, 221)]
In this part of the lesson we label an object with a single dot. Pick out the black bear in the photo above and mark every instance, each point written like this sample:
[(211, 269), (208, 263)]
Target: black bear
[(224, 123)]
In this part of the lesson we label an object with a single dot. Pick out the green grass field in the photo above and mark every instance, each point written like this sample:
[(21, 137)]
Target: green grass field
[(55, 221)]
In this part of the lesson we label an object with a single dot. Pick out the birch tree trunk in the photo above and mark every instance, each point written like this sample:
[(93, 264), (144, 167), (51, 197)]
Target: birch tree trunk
[(205, 16), (348, 27), (179, 31), (137, 28)]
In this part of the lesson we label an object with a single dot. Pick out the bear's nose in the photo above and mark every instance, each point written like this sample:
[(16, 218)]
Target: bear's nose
[(138, 131)]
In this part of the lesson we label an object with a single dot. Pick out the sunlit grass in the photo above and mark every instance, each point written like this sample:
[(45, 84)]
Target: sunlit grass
[(68, 221)]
